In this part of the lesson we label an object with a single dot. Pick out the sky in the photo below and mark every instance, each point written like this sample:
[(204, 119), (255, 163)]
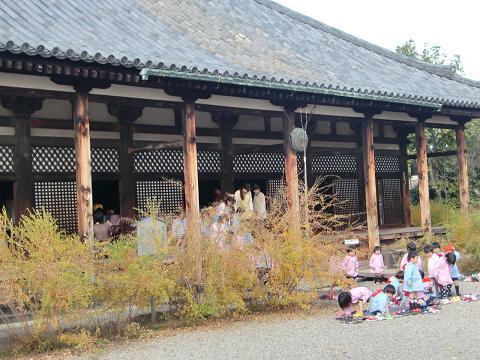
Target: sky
[(453, 25)]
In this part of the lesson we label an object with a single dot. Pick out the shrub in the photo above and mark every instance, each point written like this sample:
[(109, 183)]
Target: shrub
[(59, 283)]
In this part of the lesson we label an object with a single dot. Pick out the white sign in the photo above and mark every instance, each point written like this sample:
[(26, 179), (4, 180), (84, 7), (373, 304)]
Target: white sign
[(352, 242), (151, 236)]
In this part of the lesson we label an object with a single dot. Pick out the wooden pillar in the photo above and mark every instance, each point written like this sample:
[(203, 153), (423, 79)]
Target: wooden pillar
[(405, 186), (361, 174), (127, 187), (422, 165), (291, 172), (370, 183), (83, 164), (226, 123), (23, 191), (192, 203), (462, 167)]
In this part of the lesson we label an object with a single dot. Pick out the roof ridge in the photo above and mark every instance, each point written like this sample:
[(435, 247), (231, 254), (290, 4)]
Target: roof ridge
[(445, 71)]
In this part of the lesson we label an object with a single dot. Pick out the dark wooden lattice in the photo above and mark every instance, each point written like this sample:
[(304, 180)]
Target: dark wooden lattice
[(6, 159), (268, 163), (346, 192), (168, 195), (49, 159), (52, 159), (387, 164), (209, 162), (105, 160), (389, 201), (328, 164), (275, 188), (60, 200), (171, 161)]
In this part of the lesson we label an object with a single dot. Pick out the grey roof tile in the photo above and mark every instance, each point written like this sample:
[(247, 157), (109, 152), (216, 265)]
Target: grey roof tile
[(255, 37)]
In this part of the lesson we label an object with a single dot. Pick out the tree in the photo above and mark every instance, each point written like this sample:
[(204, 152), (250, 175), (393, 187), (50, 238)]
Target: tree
[(443, 172), (432, 54)]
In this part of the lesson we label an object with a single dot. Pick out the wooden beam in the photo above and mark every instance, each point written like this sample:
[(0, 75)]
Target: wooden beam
[(291, 172), (126, 115), (422, 166), (405, 186), (81, 123), (435, 154), (190, 169), (23, 191), (370, 183), (462, 168), (226, 123)]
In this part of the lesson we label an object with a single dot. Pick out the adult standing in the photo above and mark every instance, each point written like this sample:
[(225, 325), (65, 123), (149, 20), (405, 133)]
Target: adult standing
[(243, 198), (259, 205)]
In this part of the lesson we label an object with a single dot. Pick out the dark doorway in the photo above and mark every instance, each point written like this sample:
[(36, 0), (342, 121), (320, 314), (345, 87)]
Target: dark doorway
[(207, 191), (6, 196), (106, 193)]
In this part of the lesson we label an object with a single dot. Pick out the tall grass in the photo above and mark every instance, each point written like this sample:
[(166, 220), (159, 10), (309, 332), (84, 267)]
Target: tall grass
[(441, 213)]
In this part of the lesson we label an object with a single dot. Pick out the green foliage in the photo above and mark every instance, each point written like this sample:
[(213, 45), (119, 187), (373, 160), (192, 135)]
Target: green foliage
[(441, 214), (432, 54), (464, 232)]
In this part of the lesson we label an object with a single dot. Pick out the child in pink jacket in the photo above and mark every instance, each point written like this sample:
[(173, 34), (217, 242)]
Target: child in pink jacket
[(441, 274), (377, 266), (350, 264)]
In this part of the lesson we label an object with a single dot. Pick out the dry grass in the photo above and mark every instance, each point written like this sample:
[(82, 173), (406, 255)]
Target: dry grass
[(51, 280)]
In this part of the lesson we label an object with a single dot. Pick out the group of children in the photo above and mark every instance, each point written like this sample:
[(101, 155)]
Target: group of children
[(417, 292)]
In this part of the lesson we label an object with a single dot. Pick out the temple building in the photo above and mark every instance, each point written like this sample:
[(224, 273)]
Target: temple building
[(106, 101)]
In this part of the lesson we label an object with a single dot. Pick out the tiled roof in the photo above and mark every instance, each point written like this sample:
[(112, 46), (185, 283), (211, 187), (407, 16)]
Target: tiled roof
[(250, 41)]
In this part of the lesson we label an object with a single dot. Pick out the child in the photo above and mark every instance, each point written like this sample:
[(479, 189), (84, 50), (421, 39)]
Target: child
[(377, 265), (452, 257), (412, 281), (350, 265), (433, 259), (411, 247), (354, 300), (443, 278), (437, 248), (380, 303)]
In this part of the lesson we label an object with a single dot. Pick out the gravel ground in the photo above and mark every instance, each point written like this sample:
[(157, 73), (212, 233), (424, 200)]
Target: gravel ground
[(453, 333)]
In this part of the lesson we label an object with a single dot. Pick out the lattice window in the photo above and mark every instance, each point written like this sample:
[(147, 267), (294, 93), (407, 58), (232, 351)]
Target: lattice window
[(209, 162), (168, 195), (389, 201), (275, 188), (259, 163), (60, 200), (49, 159), (161, 161), (334, 163), (346, 192), (387, 164), (105, 160), (6, 159)]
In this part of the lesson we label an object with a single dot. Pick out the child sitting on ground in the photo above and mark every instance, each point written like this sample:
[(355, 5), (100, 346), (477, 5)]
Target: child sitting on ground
[(452, 260), (377, 265), (412, 282), (411, 247), (380, 303), (350, 265), (353, 301)]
